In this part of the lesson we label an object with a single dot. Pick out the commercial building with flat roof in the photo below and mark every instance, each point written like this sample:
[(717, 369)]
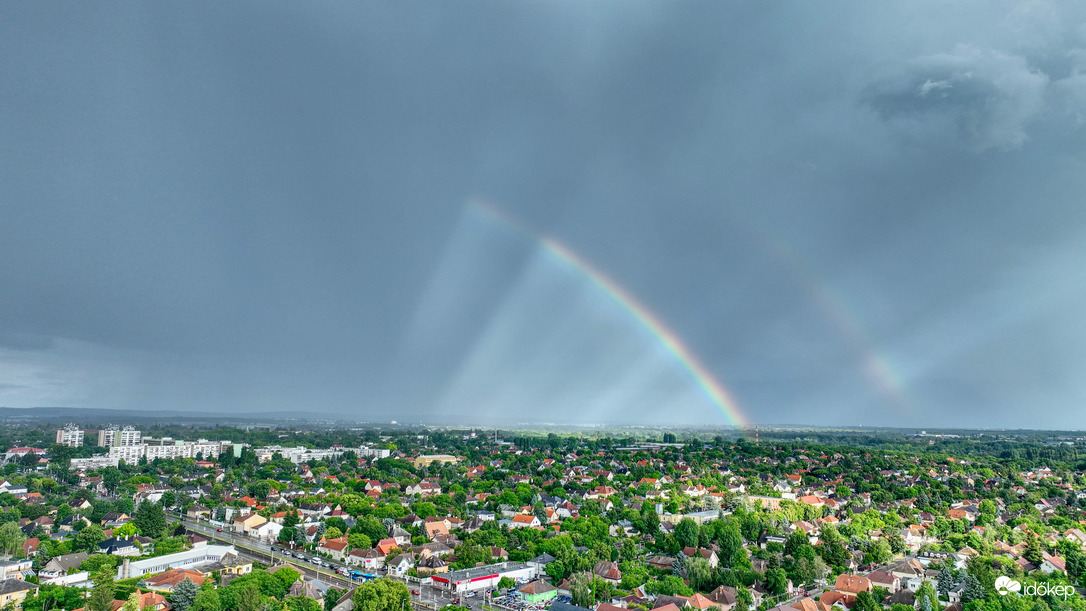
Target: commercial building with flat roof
[(180, 560), (483, 577), (428, 459)]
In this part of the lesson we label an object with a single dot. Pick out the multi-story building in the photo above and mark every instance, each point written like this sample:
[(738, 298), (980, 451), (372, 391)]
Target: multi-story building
[(374, 452), (111, 437), (94, 463), (168, 447), (298, 454), (70, 435)]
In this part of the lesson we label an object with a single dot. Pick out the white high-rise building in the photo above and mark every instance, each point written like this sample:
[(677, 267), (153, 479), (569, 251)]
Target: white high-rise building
[(113, 437), (70, 435), (169, 448)]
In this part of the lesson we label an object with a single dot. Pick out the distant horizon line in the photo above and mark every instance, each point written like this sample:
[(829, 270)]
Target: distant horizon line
[(329, 418)]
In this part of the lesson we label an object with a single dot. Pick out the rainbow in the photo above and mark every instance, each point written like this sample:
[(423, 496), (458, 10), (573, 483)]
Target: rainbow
[(834, 309), (666, 337)]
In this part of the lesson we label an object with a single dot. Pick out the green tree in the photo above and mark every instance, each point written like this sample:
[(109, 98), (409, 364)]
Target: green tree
[(286, 534), (699, 573), (249, 598), (359, 541), (133, 603), (89, 538), (101, 597), (97, 563), (184, 595), (169, 498), (126, 530), (973, 590), (946, 581), (926, 597), (286, 578), (1034, 551), (302, 603), (11, 537), (776, 581), (331, 597), (206, 600), (866, 602), (381, 595), (686, 533), (150, 518), (580, 590)]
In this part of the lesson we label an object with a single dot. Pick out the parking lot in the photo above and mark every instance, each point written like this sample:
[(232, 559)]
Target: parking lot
[(513, 601)]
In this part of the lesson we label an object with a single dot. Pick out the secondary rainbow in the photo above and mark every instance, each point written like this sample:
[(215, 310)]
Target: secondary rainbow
[(670, 340)]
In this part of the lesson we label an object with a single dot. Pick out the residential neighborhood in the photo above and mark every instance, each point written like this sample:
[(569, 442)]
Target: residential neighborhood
[(463, 519)]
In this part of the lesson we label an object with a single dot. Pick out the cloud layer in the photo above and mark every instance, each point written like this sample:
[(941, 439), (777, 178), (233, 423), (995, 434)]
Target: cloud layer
[(851, 213)]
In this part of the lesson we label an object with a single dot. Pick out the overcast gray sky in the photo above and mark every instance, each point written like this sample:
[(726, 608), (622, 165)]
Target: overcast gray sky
[(847, 213)]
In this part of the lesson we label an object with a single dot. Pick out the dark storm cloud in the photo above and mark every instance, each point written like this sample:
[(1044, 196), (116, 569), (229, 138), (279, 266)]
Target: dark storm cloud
[(986, 97), (263, 206)]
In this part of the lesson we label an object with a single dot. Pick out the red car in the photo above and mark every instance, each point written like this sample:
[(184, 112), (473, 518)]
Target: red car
[(220, 530), (414, 592)]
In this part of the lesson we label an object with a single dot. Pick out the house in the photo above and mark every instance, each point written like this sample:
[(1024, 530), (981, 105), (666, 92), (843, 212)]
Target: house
[(423, 489), (148, 601), (882, 579), (538, 591), (723, 597), (399, 564), (229, 564), (708, 554), (198, 511), (309, 588), (385, 546), (810, 604), (401, 536), (433, 529), (524, 521), (852, 584), (16, 569), (336, 548), (663, 563), (671, 602), (68, 524), (30, 546), (79, 504), (608, 571), (245, 524), (1051, 564), (60, 565), (432, 564), (165, 582), (14, 591), (366, 558), (268, 531), (119, 546), (115, 519), (831, 599), (700, 601)]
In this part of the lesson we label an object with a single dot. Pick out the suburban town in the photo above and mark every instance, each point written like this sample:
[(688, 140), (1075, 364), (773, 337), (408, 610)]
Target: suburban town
[(116, 519)]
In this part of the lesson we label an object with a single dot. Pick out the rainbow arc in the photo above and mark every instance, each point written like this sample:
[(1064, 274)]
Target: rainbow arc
[(712, 388)]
